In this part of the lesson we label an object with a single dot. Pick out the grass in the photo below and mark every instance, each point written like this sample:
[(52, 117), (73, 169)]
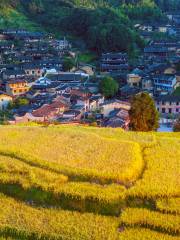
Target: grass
[(11, 18), (70, 183)]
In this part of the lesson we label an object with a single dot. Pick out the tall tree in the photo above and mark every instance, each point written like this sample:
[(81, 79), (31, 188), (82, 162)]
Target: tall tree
[(109, 87), (176, 127), (143, 114), (68, 64)]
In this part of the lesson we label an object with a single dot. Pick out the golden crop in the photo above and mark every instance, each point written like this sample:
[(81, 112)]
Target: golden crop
[(85, 183), (169, 205), (144, 234), (161, 177), (151, 219), (76, 153), (25, 222)]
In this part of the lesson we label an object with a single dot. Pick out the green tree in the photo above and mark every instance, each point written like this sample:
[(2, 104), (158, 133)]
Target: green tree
[(177, 92), (21, 101), (109, 87), (5, 115), (176, 127), (143, 114), (68, 64), (178, 66)]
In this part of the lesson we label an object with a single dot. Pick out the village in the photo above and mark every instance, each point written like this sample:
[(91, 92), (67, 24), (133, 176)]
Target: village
[(35, 85)]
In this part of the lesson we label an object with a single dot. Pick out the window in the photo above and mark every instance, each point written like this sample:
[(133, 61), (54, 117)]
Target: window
[(177, 110), (170, 110), (177, 103), (163, 110)]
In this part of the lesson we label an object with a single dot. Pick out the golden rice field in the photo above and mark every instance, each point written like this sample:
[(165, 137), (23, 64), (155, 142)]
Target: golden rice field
[(169, 205), (92, 155), (85, 183), (144, 234), (162, 176), (151, 219)]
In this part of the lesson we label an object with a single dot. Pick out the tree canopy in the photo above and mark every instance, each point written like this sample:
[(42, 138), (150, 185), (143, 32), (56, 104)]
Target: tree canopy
[(109, 87), (176, 127), (68, 64), (143, 114)]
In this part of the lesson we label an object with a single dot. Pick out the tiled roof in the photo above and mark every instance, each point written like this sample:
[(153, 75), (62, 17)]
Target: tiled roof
[(169, 98)]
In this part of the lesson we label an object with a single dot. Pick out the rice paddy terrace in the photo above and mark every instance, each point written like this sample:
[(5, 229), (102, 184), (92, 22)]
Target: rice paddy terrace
[(84, 183)]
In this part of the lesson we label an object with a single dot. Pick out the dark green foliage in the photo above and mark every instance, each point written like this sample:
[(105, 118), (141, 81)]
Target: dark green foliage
[(143, 114), (68, 64), (96, 22), (177, 92), (178, 66), (168, 5), (144, 12), (19, 102), (104, 25), (109, 87), (5, 115)]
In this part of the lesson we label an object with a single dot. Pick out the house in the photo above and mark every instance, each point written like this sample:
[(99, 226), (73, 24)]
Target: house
[(164, 82), (118, 118), (17, 87), (151, 50), (48, 112), (33, 70), (5, 99), (80, 92), (80, 101), (95, 101), (71, 115), (13, 73), (168, 104), (147, 83), (133, 80), (87, 69), (110, 105), (114, 62), (68, 77), (41, 83), (80, 97), (127, 91), (60, 45)]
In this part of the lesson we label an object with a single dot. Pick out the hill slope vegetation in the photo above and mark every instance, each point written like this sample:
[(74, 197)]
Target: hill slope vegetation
[(104, 25)]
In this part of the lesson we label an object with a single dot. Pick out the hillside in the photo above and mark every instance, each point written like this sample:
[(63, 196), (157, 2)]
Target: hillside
[(103, 25), (74, 183)]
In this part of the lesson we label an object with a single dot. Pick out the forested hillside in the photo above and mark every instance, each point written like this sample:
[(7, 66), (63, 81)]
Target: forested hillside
[(104, 25)]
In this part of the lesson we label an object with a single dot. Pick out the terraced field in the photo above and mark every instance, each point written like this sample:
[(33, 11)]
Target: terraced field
[(86, 183)]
